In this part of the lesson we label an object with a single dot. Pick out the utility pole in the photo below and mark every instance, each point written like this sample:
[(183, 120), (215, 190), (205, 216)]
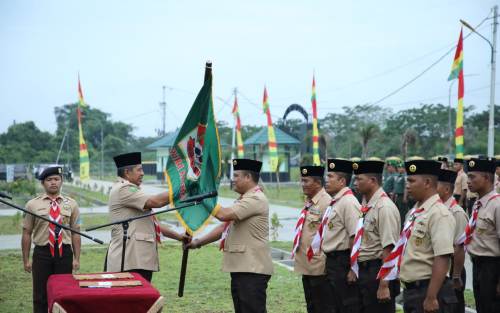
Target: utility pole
[(102, 153), (491, 124), (163, 106)]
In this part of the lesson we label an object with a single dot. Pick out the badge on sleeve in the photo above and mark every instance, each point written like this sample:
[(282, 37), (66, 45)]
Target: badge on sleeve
[(133, 189)]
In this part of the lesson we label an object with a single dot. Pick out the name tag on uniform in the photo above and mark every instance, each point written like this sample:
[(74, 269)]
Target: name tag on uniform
[(315, 210)]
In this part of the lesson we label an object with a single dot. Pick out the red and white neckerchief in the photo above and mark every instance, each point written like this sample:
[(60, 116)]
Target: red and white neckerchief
[(157, 228), (227, 224), (466, 237), (55, 216), (452, 203), (299, 226), (224, 235), (318, 237), (360, 230), (392, 264)]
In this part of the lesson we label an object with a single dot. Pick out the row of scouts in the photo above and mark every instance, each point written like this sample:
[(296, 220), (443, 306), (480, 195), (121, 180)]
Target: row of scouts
[(352, 256), (366, 254)]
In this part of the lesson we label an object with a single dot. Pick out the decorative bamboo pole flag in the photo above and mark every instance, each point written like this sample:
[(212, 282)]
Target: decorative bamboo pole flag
[(316, 160), (271, 138), (84, 153), (457, 72), (239, 141)]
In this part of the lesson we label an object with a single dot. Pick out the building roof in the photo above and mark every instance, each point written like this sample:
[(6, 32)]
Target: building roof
[(282, 138), (168, 140)]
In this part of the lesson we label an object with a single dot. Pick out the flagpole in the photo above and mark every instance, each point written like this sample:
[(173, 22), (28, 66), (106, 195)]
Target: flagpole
[(185, 252), (233, 146)]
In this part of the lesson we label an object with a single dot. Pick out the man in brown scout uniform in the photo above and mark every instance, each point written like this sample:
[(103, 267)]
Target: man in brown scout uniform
[(127, 200), (482, 236), (339, 227), (57, 251), (244, 239), (426, 258), (317, 290), (460, 190), (446, 181), (378, 229)]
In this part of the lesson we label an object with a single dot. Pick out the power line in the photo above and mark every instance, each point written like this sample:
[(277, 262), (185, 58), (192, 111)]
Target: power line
[(425, 70)]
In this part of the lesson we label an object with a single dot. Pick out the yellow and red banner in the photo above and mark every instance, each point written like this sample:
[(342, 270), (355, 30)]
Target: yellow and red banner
[(239, 141), (457, 72), (315, 136), (271, 138), (84, 153)]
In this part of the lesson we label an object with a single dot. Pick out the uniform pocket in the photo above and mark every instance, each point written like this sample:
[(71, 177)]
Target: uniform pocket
[(419, 230), (66, 215), (144, 237), (237, 248), (313, 218)]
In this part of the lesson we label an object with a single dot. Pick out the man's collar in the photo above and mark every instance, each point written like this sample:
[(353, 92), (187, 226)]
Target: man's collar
[(340, 193), (430, 202), (375, 197), (318, 196)]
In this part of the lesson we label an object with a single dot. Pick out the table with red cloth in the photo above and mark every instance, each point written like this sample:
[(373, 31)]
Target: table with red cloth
[(65, 295)]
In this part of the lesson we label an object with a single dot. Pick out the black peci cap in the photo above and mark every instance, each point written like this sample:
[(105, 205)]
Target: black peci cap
[(422, 167), (247, 165), (458, 160), (340, 165), (127, 159), (310, 170), (487, 165), (368, 167), (447, 176), (49, 171)]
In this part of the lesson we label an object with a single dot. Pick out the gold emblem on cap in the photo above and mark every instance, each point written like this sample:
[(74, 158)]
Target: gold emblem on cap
[(413, 168), (235, 162), (59, 170), (472, 163), (332, 165), (304, 171), (355, 166)]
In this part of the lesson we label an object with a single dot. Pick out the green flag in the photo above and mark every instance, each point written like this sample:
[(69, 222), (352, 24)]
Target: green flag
[(194, 163)]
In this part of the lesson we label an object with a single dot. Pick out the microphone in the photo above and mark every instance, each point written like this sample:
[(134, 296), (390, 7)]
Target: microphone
[(4, 195), (198, 198)]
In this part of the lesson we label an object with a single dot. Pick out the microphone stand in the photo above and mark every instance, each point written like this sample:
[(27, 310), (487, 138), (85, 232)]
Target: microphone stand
[(52, 222)]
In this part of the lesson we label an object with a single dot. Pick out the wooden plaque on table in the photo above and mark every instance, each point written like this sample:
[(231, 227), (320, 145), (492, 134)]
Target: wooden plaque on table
[(101, 276), (110, 284)]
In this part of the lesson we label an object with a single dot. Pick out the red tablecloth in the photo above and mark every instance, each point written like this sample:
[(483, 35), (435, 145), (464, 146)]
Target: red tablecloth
[(64, 289)]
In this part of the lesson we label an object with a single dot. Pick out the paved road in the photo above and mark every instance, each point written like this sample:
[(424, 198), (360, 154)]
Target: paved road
[(287, 216)]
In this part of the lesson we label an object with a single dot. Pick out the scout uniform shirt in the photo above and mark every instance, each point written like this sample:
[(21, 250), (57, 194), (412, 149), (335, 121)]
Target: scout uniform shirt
[(460, 217), (432, 235), (381, 227), (486, 236), (316, 266), (460, 183), (41, 206), (341, 222), (246, 246), (127, 200)]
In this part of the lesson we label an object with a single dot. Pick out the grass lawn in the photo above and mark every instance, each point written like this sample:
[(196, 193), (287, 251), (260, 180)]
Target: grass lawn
[(289, 195), (83, 196), (207, 288), (10, 225)]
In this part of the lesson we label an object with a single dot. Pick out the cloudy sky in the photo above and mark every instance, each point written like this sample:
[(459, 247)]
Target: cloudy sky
[(125, 51)]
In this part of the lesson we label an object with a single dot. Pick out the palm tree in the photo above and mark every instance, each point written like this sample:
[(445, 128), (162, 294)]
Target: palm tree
[(367, 132), (409, 138)]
